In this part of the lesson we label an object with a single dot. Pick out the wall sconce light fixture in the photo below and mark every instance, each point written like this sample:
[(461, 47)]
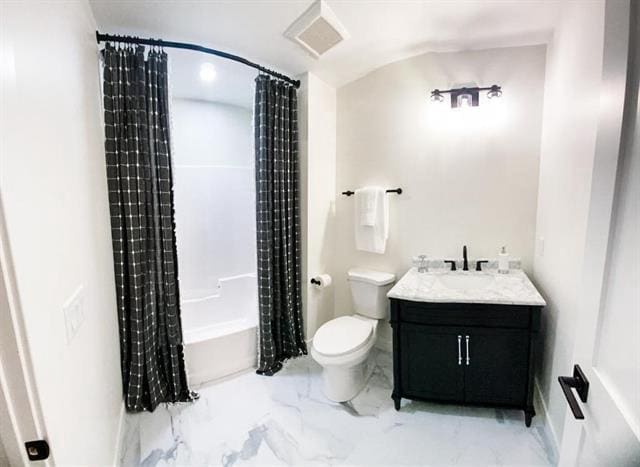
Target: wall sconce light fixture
[(466, 97)]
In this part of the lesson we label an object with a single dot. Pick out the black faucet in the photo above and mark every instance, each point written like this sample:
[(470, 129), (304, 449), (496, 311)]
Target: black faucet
[(465, 261)]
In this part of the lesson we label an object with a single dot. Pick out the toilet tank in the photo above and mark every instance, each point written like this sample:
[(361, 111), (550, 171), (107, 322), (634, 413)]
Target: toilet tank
[(369, 291)]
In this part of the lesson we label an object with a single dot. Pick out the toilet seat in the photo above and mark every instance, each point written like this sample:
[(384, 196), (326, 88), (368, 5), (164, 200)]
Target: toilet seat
[(342, 335)]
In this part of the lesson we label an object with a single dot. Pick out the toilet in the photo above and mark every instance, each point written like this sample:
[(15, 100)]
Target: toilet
[(341, 346)]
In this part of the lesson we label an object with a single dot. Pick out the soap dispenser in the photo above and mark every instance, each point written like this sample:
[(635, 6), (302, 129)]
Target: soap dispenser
[(423, 265), (503, 261)]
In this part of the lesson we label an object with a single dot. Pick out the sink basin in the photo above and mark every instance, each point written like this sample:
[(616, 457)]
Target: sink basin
[(466, 281)]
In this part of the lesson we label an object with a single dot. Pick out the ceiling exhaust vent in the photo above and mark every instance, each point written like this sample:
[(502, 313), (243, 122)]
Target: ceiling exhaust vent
[(317, 29)]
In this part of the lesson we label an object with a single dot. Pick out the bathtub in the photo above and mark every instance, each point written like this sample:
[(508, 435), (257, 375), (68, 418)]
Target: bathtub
[(219, 329)]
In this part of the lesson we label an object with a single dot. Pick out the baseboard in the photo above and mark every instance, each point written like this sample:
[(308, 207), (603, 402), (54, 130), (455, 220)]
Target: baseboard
[(117, 454), (547, 419)]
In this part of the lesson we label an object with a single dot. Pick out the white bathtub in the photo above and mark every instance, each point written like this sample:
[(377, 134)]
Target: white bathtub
[(219, 329)]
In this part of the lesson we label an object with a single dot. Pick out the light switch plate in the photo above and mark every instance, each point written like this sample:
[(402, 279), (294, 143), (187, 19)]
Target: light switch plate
[(73, 310), (541, 246)]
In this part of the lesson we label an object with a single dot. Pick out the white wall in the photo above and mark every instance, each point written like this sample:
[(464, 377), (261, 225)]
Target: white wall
[(574, 68), (53, 188), (317, 121), (4, 459), (214, 193), (468, 177)]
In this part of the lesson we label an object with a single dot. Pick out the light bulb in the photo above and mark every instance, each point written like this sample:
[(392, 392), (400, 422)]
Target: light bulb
[(495, 91), (207, 72), (464, 100)]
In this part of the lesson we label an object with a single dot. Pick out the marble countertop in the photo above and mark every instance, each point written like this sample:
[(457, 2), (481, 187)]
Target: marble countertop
[(513, 288)]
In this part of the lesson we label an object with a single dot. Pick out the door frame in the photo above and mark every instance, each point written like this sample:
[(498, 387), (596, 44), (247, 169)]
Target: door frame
[(19, 399), (614, 106)]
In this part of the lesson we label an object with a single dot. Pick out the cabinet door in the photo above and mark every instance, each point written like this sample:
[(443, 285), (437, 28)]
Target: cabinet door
[(497, 371), (430, 366)]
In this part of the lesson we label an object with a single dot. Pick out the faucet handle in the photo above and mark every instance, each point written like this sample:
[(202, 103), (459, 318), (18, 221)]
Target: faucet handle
[(452, 263), (479, 264)]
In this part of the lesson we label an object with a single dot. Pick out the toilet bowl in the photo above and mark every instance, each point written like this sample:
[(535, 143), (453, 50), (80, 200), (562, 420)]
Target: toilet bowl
[(341, 346)]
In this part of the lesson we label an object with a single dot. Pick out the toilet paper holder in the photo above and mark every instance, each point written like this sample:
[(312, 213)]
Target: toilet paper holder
[(321, 281)]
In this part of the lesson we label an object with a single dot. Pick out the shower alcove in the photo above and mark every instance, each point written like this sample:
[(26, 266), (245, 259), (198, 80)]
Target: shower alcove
[(215, 215)]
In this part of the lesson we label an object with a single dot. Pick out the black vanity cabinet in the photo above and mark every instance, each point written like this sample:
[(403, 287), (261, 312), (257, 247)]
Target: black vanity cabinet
[(461, 353)]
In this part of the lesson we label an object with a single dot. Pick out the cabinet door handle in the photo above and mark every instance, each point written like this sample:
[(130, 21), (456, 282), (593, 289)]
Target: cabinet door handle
[(459, 350), (466, 338)]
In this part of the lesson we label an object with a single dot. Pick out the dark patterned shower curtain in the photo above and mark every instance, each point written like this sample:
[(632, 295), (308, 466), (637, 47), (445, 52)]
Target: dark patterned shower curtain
[(140, 186), (278, 224)]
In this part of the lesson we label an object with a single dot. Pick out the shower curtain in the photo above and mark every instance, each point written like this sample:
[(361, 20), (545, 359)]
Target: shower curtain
[(278, 224), (140, 187)]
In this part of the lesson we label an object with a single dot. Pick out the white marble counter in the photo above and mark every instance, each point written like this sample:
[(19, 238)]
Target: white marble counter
[(513, 288)]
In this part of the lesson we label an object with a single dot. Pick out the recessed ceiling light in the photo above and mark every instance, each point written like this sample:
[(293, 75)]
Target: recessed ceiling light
[(207, 72)]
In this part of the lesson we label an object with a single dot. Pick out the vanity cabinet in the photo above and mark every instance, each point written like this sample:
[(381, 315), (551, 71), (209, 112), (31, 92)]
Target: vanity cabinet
[(476, 354)]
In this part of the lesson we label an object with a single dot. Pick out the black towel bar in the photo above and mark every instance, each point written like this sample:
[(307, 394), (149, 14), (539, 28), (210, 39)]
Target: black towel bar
[(395, 190)]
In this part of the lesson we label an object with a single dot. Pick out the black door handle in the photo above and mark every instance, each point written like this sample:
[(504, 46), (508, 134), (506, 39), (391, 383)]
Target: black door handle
[(581, 383)]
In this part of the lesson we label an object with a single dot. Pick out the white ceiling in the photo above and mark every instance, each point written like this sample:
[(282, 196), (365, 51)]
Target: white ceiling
[(382, 31), (233, 84)]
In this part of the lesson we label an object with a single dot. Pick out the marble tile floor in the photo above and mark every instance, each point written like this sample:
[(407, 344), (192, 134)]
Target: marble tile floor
[(286, 420)]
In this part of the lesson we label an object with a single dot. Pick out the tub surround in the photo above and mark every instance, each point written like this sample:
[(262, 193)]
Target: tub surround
[(513, 288), (218, 284)]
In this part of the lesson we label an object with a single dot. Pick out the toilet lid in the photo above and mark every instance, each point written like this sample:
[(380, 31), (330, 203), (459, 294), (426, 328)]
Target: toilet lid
[(342, 335)]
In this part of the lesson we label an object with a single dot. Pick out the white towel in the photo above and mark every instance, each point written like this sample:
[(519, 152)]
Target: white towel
[(367, 204), (371, 219)]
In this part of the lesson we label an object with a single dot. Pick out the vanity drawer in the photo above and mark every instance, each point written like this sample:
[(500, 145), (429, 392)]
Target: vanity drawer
[(462, 314)]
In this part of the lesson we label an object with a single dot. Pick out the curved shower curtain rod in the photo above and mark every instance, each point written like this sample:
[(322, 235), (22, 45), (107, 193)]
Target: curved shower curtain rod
[(198, 48)]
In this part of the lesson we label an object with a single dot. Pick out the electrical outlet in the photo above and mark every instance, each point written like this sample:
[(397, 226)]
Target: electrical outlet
[(73, 310)]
